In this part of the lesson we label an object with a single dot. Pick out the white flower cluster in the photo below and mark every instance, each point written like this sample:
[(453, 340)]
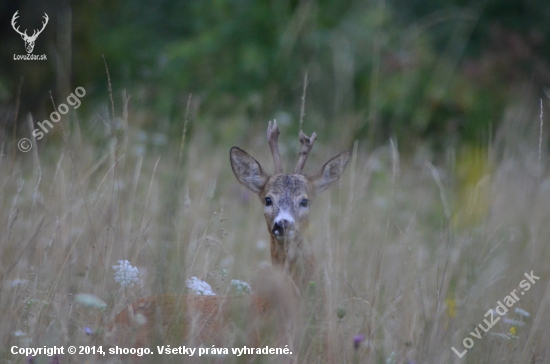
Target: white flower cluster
[(90, 301), (510, 322), (241, 286), (521, 312), (125, 274), (196, 286)]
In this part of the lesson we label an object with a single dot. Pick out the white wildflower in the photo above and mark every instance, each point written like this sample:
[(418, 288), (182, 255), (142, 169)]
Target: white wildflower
[(507, 321), (90, 301), (196, 286), (521, 312), (125, 274), (18, 282), (241, 286), (140, 319)]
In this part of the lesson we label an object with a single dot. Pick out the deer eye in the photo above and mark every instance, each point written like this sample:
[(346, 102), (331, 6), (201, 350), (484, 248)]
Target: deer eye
[(304, 202), (268, 201)]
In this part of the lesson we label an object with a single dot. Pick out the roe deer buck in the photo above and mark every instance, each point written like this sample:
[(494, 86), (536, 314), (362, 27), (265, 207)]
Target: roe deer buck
[(286, 199)]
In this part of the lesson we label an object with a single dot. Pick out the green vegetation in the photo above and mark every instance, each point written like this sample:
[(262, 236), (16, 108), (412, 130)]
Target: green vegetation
[(443, 208), (439, 72), (415, 254)]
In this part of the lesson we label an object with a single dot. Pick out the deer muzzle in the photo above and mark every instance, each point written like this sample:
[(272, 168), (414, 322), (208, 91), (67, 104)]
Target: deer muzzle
[(283, 226)]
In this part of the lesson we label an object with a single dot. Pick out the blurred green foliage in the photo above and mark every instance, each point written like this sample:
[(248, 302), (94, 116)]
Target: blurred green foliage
[(440, 71)]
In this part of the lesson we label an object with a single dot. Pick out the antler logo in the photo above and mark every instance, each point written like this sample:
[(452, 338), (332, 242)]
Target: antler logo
[(29, 41)]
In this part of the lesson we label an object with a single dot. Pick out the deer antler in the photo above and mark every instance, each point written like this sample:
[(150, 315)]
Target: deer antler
[(13, 19), (43, 26), (307, 143), (272, 138), (24, 34)]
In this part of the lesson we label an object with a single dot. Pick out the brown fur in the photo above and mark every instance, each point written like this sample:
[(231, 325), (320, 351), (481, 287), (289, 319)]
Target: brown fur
[(206, 319), (197, 320)]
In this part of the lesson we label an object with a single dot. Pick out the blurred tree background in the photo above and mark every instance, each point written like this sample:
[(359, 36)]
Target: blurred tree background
[(435, 71)]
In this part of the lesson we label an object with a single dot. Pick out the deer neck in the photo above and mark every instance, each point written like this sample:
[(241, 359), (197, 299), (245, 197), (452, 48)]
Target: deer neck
[(295, 256)]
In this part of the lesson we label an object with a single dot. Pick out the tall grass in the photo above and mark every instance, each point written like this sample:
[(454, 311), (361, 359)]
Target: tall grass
[(417, 248)]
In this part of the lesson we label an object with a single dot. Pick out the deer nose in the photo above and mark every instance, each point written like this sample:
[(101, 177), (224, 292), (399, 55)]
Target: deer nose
[(282, 227)]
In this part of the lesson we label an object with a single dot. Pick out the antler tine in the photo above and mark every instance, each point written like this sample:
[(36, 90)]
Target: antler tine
[(44, 23), (307, 143), (13, 19), (272, 138)]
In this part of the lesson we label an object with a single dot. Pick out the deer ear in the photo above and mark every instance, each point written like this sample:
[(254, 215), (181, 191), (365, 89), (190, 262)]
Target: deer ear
[(247, 170), (330, 172)]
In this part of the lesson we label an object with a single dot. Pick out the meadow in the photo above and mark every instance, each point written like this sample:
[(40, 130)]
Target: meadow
[(418, 246)]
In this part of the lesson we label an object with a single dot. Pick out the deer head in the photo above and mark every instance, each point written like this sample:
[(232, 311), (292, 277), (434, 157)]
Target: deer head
[(286, 199), (29, 41)]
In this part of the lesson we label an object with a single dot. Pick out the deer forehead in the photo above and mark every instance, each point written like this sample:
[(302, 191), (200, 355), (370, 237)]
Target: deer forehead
[(285, 188)]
